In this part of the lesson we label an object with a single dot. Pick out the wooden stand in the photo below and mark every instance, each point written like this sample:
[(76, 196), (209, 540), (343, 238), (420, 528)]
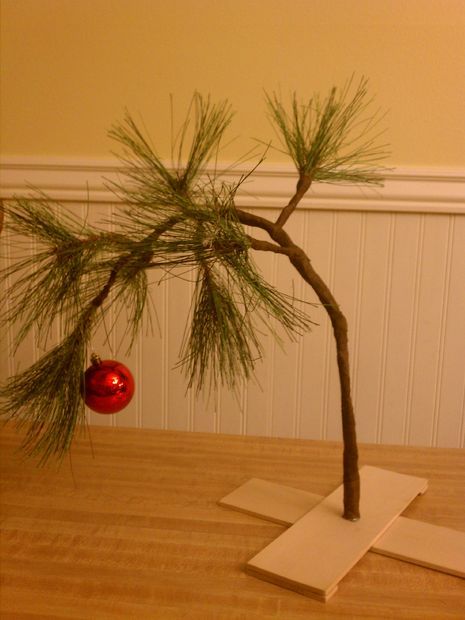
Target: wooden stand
[(320, 547)]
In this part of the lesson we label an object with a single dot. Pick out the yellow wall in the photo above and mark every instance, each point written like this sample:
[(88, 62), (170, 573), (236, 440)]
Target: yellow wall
[(70, 67)]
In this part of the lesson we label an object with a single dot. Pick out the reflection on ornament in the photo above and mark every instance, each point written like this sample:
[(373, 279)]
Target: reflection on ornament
[(108, 386)]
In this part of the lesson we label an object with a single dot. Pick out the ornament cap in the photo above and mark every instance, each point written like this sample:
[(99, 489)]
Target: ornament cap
[(95, 359)]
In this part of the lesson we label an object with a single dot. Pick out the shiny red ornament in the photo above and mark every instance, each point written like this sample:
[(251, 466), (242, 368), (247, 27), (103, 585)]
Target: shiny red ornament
[(108, 386)]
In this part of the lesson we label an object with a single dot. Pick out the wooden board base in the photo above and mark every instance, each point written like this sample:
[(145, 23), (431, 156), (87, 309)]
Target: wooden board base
[(271, 501), (432, 546), (315, 553)]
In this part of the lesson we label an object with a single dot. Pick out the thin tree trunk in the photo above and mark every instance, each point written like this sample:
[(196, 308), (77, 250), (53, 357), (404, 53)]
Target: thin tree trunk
[(339, 323), (303, 265)]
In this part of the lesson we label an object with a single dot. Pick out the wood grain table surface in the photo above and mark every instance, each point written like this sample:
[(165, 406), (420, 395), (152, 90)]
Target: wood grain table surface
[(129, 527)]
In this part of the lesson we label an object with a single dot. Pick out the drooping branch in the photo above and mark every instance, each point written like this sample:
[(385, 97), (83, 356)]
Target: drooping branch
[(144, 258), (40, 397)]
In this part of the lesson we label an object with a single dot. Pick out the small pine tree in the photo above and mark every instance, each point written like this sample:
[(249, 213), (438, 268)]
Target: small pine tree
[(180, 216)]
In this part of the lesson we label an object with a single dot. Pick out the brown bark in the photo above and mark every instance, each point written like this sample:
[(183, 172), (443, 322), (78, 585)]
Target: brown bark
[(340, 330), (302, 264), (302, 187)]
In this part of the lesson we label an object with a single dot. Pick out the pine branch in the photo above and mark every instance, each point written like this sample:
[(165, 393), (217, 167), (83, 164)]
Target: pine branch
[(222, 339), (46, 398), (332, 140), (303, 185), (48, 283), (151, 183), (232, 305)]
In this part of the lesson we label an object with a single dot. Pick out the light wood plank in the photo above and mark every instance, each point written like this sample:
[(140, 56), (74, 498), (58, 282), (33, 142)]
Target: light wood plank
[(268, 500), (433, 546), (315, 553)]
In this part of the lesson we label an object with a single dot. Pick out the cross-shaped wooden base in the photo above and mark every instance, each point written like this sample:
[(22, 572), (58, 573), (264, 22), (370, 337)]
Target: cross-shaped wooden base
[(320, 547)]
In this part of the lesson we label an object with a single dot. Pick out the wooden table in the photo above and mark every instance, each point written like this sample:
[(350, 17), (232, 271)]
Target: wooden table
[(131, 529)]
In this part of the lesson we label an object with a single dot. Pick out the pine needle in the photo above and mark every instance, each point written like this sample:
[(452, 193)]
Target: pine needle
[(332, 140), (46, 398)]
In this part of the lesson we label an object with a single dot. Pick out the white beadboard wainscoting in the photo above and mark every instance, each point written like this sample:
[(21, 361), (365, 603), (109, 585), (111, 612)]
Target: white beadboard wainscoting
[(394, 258)]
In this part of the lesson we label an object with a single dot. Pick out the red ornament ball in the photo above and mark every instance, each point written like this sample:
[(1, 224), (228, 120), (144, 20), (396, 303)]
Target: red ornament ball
[(108, 386)]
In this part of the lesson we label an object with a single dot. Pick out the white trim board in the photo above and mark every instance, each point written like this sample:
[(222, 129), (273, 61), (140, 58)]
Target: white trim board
[(417, 190)]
